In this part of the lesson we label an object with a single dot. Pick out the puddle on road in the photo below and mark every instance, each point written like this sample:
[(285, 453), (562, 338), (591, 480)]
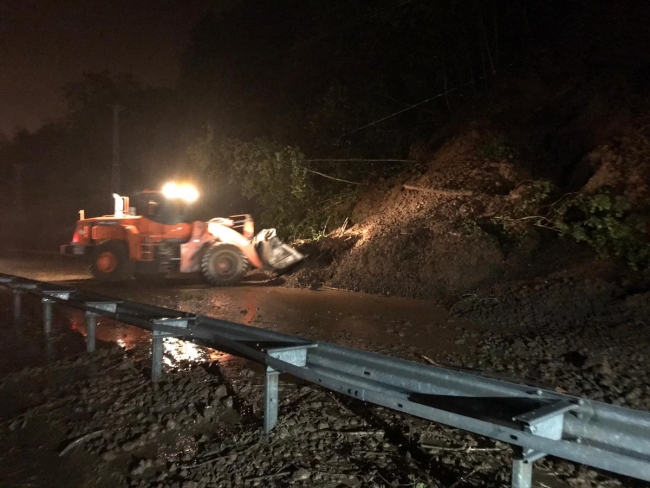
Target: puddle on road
[(400, 327), (354, 319), (26, 345)]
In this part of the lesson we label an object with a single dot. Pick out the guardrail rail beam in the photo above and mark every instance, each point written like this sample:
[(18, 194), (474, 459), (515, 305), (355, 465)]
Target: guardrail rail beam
[(536, 422)]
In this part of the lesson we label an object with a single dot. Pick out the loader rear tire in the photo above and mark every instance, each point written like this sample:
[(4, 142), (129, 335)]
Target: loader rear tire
[(223, 265), (110, 261)]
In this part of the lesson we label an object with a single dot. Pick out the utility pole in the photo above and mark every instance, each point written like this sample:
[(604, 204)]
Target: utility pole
[(19, 203), (115, 168)]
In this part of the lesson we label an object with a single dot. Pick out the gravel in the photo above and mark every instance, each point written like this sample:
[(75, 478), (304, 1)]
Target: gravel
[(584, 337)]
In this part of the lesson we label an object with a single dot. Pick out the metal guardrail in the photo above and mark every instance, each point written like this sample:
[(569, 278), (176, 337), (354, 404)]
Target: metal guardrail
[(537, 422)]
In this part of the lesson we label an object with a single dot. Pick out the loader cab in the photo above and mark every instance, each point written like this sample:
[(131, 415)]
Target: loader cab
[(157, 207)]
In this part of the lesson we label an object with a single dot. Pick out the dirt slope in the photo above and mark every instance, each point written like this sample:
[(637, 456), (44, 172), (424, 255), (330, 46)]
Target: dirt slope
[(435, 233), (576, 116)]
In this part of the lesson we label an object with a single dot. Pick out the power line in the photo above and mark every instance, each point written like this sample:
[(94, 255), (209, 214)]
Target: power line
[(415, 105), (359, 160), (332, 177), (411, 107)]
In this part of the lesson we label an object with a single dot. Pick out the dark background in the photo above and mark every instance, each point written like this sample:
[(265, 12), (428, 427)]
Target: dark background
[(47, 43), (338, 79)]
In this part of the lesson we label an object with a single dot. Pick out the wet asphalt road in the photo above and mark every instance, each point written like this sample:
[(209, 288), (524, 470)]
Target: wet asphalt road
[(400, 327)]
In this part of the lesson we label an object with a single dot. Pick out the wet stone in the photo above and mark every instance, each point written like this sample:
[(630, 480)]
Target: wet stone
[(301, 475), (221, 392)]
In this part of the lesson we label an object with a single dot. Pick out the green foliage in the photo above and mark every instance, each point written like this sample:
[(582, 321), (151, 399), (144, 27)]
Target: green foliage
[(536, 192), (416, 482), (605, 222), (201, 154), (278, 179), (500, 148), (505, 231), (532, 196), (471, 228), (274, 175), (508, 228), (602, 220)]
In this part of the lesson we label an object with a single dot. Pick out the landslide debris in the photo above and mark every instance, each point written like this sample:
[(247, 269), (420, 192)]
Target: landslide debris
[(200, 427), (469, 217), (103, 419)]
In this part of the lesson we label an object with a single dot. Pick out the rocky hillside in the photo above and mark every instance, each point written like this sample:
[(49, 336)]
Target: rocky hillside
[(472, 216), (548, 171)]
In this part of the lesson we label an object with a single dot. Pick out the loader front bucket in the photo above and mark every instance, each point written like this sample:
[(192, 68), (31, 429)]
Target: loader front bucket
[(273, 252)]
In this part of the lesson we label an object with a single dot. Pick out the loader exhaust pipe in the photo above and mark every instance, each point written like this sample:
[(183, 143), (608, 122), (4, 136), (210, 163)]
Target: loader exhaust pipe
[(121, 205)]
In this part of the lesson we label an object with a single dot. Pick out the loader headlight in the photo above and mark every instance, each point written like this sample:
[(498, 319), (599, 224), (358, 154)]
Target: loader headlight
[(170, 190), (184, 192), (188, 193)]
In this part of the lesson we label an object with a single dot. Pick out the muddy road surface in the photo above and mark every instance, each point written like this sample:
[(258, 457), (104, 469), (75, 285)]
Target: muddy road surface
[(397, 326)]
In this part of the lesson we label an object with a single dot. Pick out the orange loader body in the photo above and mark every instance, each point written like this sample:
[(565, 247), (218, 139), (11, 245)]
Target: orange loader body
[(158, 241)]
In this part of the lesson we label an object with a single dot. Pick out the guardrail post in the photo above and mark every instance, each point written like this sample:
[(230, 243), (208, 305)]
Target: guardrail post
[(47, 314), (296, 355), (17, 304), (522, 472), (91, 325), (270, 399), (545, 421), (91, 321), (156, 355)]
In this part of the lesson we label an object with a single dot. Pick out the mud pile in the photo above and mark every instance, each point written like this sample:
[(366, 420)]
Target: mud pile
[(436, 230), (99, 421), (624, 163), (426, 234), (581, 336)]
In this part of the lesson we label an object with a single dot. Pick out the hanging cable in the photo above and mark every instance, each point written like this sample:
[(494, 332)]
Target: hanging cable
[(359, 160), (332, 177)]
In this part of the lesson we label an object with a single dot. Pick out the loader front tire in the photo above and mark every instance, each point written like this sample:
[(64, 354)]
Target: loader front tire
[(223, 265), (110, 261)]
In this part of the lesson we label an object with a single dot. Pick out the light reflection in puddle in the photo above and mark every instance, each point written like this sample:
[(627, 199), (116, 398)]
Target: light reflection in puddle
[(128, 337), (178, 350), (108, 330)]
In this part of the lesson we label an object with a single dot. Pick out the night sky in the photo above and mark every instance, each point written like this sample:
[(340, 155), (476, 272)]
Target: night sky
[(46, 43)]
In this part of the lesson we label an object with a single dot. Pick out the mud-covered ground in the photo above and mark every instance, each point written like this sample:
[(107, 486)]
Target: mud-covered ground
[(102, 423), (74, 420), (98, 421)]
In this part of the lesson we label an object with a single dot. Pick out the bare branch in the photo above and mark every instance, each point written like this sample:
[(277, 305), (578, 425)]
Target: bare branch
[(359, 160), (333, 178), (447, 193)]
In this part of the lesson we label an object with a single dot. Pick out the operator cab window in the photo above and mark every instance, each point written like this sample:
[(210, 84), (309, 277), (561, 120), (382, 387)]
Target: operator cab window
[(152, 209), (155, 206)]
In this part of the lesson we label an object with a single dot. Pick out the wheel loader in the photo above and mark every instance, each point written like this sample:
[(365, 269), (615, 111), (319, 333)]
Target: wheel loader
[(153, 238)]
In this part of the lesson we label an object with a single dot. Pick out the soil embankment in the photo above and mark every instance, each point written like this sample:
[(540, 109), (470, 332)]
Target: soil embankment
[(549, 309), (485, 198), (524, 214)]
